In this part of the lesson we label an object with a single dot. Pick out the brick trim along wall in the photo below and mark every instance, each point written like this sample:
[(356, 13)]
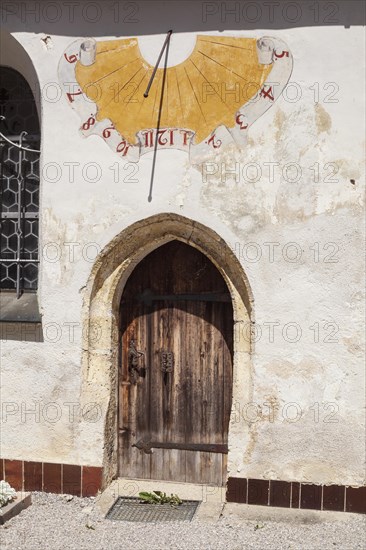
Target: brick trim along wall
[(81, 481), (86, 481), (338, 498)]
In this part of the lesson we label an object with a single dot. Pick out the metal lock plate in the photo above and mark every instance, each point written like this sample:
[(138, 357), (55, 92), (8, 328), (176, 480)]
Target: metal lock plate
[(167, 361)]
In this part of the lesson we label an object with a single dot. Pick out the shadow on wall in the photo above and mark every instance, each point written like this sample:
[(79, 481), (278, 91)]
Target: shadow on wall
[(20, 320), (146, 17), (21, 332)]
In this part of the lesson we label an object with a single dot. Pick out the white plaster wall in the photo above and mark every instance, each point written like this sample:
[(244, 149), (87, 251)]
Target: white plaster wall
[(305, 380)]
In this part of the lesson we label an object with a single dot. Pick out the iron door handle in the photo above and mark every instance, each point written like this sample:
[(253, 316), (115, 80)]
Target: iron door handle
[(134, 357)]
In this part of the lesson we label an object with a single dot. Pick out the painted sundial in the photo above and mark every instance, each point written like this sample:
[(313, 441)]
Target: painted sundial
[(200, 105)]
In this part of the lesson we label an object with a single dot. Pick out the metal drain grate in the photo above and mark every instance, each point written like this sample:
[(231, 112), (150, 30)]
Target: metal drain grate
[(131, 509)]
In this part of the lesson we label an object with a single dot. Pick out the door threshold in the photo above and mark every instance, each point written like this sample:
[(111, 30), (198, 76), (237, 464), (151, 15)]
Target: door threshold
[(210, 495)]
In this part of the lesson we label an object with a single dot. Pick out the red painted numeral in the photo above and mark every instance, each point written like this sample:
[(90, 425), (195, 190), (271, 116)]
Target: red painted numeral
[(267, 93), (216, 144), (72, 59), (240, 121), (162, 141), (70, 95), (283, 54), (186, 136), (148, 138), (89, 123), (107, 132), (123, 147)]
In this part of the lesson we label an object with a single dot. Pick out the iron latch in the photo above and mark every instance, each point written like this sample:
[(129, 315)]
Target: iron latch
[(146, 446)]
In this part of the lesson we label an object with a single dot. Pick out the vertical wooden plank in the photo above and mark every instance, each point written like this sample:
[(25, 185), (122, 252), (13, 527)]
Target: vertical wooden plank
[(143, 430), (163, 411), (177, 343), (194, 430), (157, 458)]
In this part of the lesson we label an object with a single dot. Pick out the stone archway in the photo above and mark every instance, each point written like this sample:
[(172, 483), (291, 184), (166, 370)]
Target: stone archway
[(101, 316)]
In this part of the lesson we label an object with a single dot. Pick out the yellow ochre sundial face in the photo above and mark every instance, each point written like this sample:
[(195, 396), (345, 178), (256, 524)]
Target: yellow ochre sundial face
[(190, 99), (199, 105)]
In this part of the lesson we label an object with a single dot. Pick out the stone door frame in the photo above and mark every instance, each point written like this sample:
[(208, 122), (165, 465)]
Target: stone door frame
[(102, 296)]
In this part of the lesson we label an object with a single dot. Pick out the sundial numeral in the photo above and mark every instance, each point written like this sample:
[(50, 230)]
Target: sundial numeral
[(89, 123), (123, 147), (267, 93), (240, 121), (107, 132), (70, 95), (283, 54), (72, 58), (215, 144)]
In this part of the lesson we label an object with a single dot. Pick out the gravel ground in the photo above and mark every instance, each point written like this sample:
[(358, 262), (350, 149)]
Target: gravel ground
[(55, 523)]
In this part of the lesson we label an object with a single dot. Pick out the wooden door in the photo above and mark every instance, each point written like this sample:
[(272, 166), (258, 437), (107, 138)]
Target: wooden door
[(175, 382)]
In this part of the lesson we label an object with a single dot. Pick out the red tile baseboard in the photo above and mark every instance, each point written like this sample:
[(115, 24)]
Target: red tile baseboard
[(13, 473), (72, 479), (32, 476), (52, 478), (338, 498), (86, 481), (92, 480)]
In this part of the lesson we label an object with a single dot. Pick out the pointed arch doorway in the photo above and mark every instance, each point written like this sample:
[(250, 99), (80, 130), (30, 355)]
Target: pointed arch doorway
[(176, 368)]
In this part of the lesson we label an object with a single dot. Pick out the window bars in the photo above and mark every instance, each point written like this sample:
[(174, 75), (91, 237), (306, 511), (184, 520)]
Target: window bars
[(19, 185)]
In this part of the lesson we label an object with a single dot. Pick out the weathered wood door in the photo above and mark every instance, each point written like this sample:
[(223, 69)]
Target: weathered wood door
[(175, 381)]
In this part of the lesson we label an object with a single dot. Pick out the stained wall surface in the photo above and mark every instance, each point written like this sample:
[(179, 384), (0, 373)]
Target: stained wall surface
[(288, 203)]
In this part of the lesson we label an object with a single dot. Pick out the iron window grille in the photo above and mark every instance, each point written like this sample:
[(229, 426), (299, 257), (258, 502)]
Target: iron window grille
[(19, 184)]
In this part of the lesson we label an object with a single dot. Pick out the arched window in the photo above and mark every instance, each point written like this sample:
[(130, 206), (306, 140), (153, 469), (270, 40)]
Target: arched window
[(19, 184)]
